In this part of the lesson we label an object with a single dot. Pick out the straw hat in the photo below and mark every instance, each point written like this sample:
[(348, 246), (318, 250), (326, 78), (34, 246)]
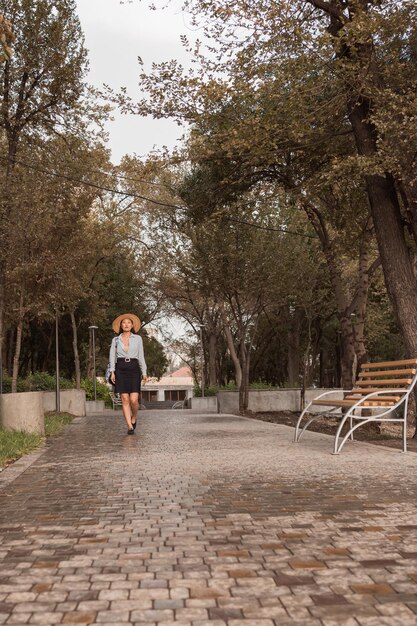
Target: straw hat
[(130, 316)]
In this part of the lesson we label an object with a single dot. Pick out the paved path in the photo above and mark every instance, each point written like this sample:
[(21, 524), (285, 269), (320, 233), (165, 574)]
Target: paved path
[(206, 520)]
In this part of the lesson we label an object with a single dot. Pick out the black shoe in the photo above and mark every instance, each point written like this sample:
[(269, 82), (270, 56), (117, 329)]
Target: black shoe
[(134, 425), (131, 431)]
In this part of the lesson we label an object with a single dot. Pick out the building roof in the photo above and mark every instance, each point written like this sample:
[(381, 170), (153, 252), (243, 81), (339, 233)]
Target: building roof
[(180, 379), (183, 372)]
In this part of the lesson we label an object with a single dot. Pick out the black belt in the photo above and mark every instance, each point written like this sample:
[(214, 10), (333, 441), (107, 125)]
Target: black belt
[(126, 360)]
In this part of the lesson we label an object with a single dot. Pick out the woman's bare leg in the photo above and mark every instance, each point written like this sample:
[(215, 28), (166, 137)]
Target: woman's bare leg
[(134, 406), (126, 409)]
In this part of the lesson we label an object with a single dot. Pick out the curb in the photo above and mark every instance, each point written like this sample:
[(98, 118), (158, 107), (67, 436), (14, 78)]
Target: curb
[(9, 473)]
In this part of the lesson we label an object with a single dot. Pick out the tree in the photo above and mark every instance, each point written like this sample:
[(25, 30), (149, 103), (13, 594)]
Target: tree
[(156, 360), (42, 86), (314, 71), (223, 273), (354, 28), (6, 39)]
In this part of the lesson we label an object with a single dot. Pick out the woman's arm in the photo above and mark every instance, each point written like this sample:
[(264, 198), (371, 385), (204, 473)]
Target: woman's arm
[(141, 358), (112, 355)]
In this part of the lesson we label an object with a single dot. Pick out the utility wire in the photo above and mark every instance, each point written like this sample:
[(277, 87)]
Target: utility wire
[(280, 230), (147, 199), (131, 180), (88, 183)]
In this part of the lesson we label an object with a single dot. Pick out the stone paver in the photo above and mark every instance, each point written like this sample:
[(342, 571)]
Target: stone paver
[(207, 520)]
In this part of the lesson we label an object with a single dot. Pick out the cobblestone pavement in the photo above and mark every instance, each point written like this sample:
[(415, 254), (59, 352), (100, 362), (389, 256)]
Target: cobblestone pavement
[(207, 520)]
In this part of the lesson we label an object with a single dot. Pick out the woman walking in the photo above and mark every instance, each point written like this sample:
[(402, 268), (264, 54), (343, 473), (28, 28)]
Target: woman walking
[(127, 365)]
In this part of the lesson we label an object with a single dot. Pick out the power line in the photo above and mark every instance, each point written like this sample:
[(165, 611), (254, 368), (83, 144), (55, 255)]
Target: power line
[(130, 179), (87, 183), (280, 230)]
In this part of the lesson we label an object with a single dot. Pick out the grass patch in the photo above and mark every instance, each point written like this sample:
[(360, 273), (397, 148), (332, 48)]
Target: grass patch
[(55, 422), (14, 445)]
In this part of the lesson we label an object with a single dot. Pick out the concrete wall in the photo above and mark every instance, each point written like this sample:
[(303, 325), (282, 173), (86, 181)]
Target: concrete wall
[(265, 401), (94, 406), (71, 401), (313, 393), (206, 405), (274, 400), (228, 402), (23, 411)]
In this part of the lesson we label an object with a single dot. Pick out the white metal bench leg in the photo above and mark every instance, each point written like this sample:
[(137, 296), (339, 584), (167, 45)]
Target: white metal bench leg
[(298, 432), (337, 447), (405, 425)]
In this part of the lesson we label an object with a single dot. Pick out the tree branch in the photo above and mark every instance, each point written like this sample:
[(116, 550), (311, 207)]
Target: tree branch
[(327, 7)]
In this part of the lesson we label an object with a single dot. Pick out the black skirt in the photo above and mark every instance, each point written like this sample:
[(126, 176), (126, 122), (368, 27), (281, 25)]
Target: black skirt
[(128, 376)]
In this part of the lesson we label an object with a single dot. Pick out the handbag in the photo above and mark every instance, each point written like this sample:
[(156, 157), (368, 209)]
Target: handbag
[(107, 375)]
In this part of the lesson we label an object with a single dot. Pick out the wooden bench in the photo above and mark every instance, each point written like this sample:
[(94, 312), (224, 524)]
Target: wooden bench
[(380, 394)]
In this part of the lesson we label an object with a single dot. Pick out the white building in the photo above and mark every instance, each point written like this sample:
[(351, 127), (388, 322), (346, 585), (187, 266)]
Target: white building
[(177, 386)]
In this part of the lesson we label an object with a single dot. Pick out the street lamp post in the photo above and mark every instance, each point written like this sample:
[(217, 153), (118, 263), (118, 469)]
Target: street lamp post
[(201, 326), (93, 330)]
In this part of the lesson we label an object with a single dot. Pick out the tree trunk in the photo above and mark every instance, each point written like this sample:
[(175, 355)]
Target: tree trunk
[(407, 188), (212, 349), (89, 363), (49, 348), (396, 262), (232, 351), (10, 349), (2, 352), (244, 387), (315, 351), (397, 266), (294, 358), (18, 345), (75, 349), (360, 300), (325, 367), (5, 204), (306, 367), (347, 352), (337, 369)]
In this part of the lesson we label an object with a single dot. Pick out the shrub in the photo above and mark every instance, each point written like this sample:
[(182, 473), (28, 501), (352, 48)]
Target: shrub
[(260, 384), (208, 391), (102, 391), (229, 387), (211, 391), (38, 381), (43, 381), (7, 383)]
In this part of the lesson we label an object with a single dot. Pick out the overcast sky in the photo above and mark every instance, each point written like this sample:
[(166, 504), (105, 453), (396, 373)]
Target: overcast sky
[(116, 34)]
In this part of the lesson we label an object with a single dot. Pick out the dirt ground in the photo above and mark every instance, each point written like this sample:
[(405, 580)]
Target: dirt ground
[(389, 435)]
